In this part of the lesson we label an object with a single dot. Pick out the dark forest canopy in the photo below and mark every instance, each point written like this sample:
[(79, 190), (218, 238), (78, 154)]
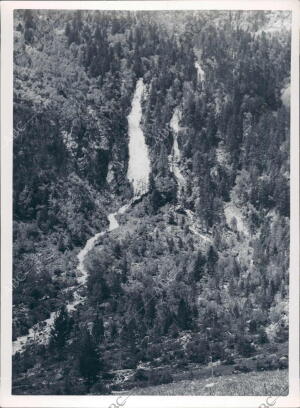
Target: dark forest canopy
[(74, 77)]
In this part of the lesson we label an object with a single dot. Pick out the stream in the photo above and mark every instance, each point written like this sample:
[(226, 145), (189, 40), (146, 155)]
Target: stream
[(200, 72), (174, 165), (139, 169), (175, 157)]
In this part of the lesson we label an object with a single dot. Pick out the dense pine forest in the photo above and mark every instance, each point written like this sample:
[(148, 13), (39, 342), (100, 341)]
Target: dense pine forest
[(196, 273)]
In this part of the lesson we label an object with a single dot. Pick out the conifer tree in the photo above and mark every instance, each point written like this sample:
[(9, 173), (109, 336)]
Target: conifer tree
[(90, 364), (61, 329)]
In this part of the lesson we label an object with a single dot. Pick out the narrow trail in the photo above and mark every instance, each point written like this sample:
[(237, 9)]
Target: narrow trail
[(139, 169)]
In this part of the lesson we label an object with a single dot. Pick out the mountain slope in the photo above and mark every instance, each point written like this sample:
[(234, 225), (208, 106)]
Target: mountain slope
[(193, 268)]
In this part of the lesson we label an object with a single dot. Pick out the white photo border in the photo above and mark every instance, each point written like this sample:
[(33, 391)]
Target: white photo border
[(24, 401)]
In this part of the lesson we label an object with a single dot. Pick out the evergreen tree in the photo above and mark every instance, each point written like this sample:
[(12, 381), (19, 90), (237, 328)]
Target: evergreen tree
[(184, 315), (198, 269), (98, 329), (90, 364), (61, 330)]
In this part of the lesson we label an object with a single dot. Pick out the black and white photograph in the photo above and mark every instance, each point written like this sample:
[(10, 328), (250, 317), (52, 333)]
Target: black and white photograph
[(151, 202)]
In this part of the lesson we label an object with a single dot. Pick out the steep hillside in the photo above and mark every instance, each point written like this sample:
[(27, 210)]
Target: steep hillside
[(151, 196)]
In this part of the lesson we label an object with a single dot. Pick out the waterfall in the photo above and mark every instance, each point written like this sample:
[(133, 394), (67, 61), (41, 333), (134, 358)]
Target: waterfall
[(139, 162), (175, 157), (138, 174), (200, 72)]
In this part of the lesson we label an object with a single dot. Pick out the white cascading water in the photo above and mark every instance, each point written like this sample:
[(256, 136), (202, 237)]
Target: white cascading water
[(200, 72), (139, 163), (139, 169), (175, 157)]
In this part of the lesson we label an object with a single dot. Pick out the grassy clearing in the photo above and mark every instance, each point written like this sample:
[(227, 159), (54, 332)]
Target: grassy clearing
[(255, 383)]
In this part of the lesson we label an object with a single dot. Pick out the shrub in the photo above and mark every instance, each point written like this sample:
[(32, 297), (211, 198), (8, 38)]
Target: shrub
[(181, 364), (157, 377), (153, 377), (197, 351), (270, 362), (229, 360), (262, 336), (217, 351), (272, 348), (153, 351), (179, 354), (99, 389), (166, 359), (130, 362), (156, 362), (141, 375), (107, 376), (245, 347), (283, 362), (242, 368), (28, 361)]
